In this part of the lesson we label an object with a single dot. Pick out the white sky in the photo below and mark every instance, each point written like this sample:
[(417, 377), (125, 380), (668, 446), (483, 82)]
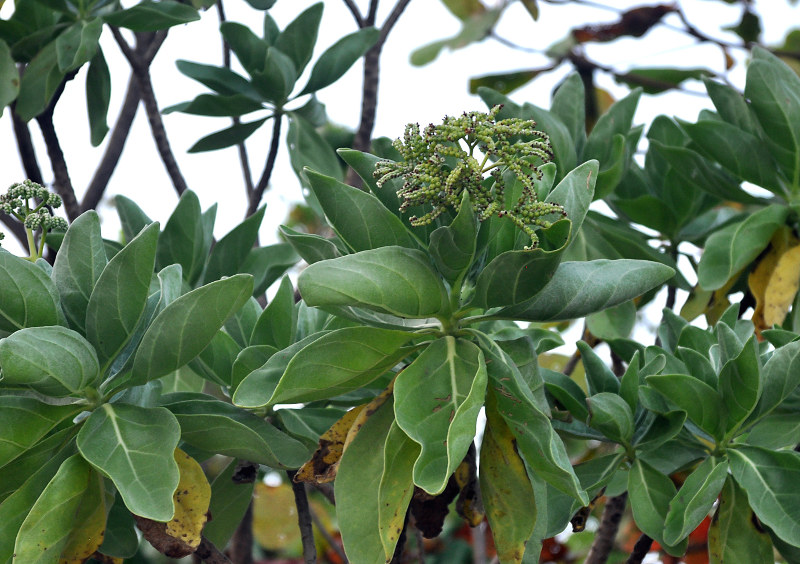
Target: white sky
[(406, 93)]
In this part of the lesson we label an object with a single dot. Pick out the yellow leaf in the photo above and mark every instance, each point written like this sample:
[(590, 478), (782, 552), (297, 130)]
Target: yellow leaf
[(191, 499), (90, 520), (322, 466), (275, 519), (782, 287)]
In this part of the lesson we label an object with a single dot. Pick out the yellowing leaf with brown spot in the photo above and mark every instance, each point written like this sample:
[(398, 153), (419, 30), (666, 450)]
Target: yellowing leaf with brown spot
[(505, 486), (322, 466), (192, 498), (90, 524), (774, 281)]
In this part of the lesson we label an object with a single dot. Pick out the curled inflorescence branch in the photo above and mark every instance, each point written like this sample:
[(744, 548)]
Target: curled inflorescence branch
[(440, 163)]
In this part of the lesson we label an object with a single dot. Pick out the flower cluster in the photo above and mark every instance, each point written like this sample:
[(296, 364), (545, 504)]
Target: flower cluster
[(37, 216), (440, 163)]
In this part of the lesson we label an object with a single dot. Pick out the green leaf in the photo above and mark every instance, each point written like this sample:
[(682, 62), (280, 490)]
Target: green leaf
[(742, 153), (580, 288), (98, 96), (357, 488), (740, 384), (307, 148), (616, 121), (276, 81), (599, 377), (731, 105), (257, 387), (277, 324), (780, 377), (134, 447), (229, 502), (214, 426), (232, 250), (28, 298), (311, 248), (452, 247), (339, 57), (120, 539), (13, 476), (736, 245), (567, 392), (74, 493), (227, 137), (393, 280), (506, 490), (153, 16), (504, 82), (695, 499), (514, 277), (250, 49), (537, 442), (474, 28), (569, 105), (54, 361), (396, 486), (131, 216), (611, 415), (16, 507), (656, 80), (339, 362), (120, 294), (215, 362), (182, 241), (9, 77), (249, 360), (40, 81), (79, 263), (773, 91), (613, 323), (267, 264), (765, 475), (735, 530), (298, 39), (359, 218), (650, 492), (684, 390), (241, 324), (575, 192), (437, 399), (25, 421), (218, 79), (78, 44), (186, 326), (232, 105)]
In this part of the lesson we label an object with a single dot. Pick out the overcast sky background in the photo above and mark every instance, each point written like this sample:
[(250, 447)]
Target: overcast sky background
[(406, 93)]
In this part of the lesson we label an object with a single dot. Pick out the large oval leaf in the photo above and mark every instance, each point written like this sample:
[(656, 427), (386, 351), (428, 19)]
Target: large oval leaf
[(134, 446), (54, 361), (25, 421), (392, 280), (187, 325), (28, 298), (581, 288), (437, 399)]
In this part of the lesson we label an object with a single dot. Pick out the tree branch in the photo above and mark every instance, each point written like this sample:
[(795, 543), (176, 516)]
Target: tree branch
[(640, 550), (210, 553), (369, 96), (303, 519), (356, 13), (607, 531), (141, 71), (25, 148), (258, 191)]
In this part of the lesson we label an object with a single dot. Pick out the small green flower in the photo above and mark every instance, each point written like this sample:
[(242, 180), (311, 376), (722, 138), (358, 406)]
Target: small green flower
[(431, 177), (34, 216)]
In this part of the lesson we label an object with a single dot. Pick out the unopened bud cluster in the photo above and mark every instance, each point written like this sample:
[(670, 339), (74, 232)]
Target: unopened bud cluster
[(439, 165), (36, 215)]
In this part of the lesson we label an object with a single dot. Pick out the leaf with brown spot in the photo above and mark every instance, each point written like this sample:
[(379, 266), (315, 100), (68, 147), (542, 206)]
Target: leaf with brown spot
[(321, 468), (192, 498), (396, 486), (774, 281)]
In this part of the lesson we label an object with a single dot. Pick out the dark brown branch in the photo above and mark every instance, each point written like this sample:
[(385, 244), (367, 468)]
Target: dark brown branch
[(113, 152), (369, 96), (241, 547), (327, 536), (356, 13), (210, 553), (303, 519), (62, 184), (141, 72), (27, 152), (258, 191), (16, 229), (607, 531), (372, 13), (640, 550)]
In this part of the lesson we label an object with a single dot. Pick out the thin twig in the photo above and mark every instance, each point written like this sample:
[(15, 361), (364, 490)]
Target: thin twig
[(327, 536), (241, 546), (607, 531), (355, 11), (303, 519), (210, 554), (27, 152), (640, 550), (258, 191), (420, 545)]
